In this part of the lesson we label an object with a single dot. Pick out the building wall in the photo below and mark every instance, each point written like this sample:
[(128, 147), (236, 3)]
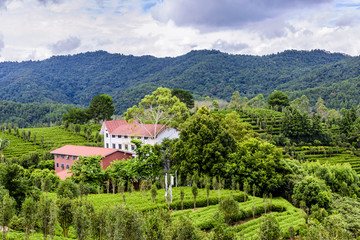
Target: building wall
[(63, 162), (123, 142), (105, 163)]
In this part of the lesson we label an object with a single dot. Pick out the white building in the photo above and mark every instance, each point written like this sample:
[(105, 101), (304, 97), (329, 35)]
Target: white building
[(118, 134)]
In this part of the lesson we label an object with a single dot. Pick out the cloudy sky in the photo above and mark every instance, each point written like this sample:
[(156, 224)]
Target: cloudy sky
[(38, 29)]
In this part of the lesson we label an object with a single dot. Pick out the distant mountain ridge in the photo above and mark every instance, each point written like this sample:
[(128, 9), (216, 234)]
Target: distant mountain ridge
[(76, 79)]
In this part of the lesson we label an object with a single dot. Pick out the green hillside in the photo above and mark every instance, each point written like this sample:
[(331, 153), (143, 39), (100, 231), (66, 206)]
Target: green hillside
[(76, 79)]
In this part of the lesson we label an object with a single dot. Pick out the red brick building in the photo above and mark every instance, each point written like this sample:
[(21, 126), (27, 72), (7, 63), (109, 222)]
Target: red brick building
[(65, 156)]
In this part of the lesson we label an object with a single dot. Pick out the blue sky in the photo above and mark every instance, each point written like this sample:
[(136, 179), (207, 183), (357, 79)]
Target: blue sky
[(39, 29)]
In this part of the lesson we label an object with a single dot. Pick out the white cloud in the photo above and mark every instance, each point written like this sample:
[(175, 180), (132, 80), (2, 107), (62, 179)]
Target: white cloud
[(2, 44), (214, 14), (66, 45), (37, 29)]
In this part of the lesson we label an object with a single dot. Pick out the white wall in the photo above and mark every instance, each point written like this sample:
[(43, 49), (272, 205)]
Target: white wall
[(109, 140)]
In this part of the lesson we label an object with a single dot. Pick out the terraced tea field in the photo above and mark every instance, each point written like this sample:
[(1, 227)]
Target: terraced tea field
[(53, 137)]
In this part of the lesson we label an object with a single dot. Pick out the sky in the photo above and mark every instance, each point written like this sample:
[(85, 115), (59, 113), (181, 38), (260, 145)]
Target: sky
[(39, 29)]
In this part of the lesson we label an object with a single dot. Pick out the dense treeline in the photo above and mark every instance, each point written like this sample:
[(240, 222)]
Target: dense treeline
[(257, 146), (31, 114), (77, 79)]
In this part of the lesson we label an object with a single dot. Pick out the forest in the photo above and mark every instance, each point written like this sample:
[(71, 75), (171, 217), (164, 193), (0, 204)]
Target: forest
[(78, 78), (257, 168)]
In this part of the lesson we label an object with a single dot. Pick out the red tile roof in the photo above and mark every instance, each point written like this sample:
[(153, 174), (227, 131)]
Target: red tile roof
[(122, 127), (84, 151)]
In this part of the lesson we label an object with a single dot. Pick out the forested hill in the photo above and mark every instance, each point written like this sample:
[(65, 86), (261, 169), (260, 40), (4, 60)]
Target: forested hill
[(76, 79)]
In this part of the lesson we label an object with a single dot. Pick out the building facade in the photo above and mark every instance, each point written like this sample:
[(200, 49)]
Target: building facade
[(118, 134), (65, 156)]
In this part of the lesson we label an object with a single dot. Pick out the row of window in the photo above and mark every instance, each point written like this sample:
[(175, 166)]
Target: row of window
[(125, 136), (62, 166), (67, 157), (126, 146)]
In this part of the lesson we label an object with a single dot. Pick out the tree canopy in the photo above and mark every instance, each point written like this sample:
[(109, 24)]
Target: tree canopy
[(203, 146), (278, 99), (158, 108), (101, 108)]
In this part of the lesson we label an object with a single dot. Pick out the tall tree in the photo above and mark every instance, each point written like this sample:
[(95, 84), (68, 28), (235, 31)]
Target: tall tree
[(65, 214), (4, 143), (204, 145), (185, 96), (7, 211), (101, 108), (235, 101), (278, 99), (29, 210), (158, 108)]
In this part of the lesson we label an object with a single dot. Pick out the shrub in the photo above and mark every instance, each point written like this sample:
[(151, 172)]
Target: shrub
[(230, 208), (269, 229), (68, 188)]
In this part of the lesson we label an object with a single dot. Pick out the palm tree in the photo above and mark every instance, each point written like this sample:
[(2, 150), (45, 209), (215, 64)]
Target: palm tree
[(3, 144)]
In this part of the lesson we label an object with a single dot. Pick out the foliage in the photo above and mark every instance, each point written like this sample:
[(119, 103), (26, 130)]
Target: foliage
[(12, 177), (269, 229), (25, 115), (71, 79), (204, 145), (65, 214), (29, 211), (184, 228), (300, 127), (237, 128), (312, 192), (88, 170), (68, 188), (7, 210), (158, 108), (230, 209), (278, 99), (184, 96), (260, 163), (146, 164), (76, 116), (47, 216), (4, 143), (101, 108)]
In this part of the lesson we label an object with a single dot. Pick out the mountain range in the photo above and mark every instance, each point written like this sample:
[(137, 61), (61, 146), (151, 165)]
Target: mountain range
[(76, 79)]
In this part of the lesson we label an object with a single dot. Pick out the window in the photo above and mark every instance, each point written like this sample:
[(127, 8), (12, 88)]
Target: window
[(57, 164), (67, 156), (62, 166), (67, 166), (132, 137), (113, 146), (62, 156), (57, 155), (119, 146), (107, 135), (139, 137), (125, 136), (126, 147), (132, 147), (113, 136), (73, 157), (146, 138), (107, 145), (119, 136)]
